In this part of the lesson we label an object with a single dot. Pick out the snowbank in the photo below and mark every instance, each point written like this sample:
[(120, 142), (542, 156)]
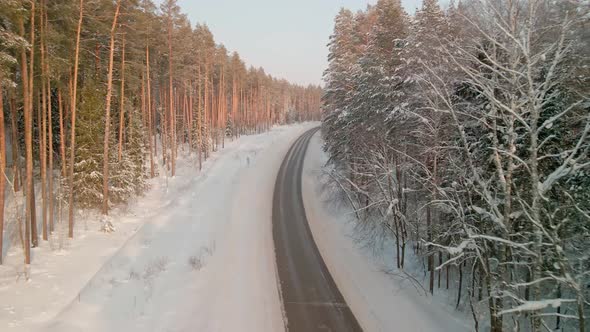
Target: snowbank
[(379, 301)]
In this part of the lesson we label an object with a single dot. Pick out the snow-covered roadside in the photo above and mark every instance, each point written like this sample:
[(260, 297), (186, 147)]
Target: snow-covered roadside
[(194, 254), (379, 302)]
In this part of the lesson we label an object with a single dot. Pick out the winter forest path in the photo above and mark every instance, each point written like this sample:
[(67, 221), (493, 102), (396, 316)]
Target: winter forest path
[(311, 299)]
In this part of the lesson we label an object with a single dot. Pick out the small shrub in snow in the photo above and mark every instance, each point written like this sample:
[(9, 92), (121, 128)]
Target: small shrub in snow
[(155, 267), (133, 275), (195, 262), (106, 225)]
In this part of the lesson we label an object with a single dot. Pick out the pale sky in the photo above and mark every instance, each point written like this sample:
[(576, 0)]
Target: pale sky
[(287, 38)]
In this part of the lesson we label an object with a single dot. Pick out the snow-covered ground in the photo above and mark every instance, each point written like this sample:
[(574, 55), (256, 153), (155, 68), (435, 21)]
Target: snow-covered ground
[(194, 254), (379, 301)]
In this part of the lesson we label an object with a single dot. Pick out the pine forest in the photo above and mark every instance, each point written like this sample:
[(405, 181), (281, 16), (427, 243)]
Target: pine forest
[(98, 96)]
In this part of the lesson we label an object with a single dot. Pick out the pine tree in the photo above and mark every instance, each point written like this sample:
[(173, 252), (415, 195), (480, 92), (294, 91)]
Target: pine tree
[(337, 77), (129, 176), (89, 161), (229, 126)]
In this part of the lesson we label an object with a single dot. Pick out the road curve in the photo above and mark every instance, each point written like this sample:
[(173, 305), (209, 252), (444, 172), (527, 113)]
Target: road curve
[(311, 299)]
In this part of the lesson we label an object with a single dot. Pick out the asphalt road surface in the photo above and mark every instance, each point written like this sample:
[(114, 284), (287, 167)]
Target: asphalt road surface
[(311, 299)]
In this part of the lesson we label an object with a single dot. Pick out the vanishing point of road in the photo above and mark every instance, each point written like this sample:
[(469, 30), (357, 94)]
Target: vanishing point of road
[(311, 299)]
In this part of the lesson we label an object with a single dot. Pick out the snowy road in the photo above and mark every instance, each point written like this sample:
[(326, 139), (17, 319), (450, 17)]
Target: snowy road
[(205, 263), (311, 299)]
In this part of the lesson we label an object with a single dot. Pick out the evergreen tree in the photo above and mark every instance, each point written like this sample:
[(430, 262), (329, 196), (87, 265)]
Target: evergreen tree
[(89, 138), (129, 174), (229, 127)]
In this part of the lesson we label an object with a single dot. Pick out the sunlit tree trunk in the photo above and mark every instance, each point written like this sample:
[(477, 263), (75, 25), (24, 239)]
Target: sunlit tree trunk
[(206, 105), (43, 125), (50, 199), (16, 168), (149, 110), (74, 90), (62, 134), (31, 183), (189, 125), (2, 167), (164, 126), (105, 169), (199, 120), (171, 99), (28, 145), (122, 103)]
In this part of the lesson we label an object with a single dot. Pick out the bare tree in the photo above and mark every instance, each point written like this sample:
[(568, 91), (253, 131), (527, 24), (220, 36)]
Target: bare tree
[(520, 78)]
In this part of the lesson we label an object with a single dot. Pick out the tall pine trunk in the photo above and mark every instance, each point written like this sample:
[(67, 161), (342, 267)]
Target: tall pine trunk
[(50, 198), (2, 168), (149, 110), (62, 134), (105, 169), (171, 100), (122, 103), (28, 145), (189, 125), (199, 120), (74, 90), (30, 162), (43, 126), (16, 167)]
